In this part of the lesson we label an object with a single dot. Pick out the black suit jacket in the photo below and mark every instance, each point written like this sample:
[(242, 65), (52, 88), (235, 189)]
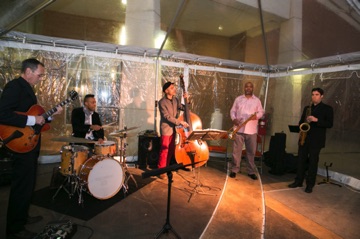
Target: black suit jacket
[(80, 128), (18, 95), (316, 136)]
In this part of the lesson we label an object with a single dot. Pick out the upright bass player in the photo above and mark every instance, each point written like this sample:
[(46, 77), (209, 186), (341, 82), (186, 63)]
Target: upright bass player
[(168, 107)]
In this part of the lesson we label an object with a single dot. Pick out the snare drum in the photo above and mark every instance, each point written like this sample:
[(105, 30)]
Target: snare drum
[(104, 176), (78, 152), (107, 148)]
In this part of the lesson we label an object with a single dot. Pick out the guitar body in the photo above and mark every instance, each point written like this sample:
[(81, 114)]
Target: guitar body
[(23, 140), (31, 134)]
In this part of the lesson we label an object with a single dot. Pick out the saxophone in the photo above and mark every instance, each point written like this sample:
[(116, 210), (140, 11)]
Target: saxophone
[(305, 127), (232, 132)]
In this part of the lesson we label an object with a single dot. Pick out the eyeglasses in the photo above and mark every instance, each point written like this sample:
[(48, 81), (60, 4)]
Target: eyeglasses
[(39, 75)]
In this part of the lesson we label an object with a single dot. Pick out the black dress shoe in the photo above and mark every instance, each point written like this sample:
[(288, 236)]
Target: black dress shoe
[(308, 189), (232, 175), (253, 176), (23, 234), (31, 220), (295, 185)]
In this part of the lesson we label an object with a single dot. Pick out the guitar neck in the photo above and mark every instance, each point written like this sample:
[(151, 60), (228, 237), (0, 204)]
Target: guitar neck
[(50, 112), (187, 110)]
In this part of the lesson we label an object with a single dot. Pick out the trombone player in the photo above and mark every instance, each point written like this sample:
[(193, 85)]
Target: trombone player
[(244, 113), (315, 119)]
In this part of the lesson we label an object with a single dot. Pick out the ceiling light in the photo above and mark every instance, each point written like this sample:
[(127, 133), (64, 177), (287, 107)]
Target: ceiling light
[(220, 27)]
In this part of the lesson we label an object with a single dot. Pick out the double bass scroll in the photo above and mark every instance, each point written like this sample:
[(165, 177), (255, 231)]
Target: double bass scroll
[(187, 151)]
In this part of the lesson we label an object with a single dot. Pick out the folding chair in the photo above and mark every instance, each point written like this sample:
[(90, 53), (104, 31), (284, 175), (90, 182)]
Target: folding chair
[(222, 151)]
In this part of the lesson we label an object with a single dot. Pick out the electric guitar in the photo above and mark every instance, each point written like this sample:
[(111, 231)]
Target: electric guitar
[(23, 140)]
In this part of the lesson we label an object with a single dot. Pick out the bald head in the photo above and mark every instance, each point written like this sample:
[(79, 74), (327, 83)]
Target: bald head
[(248, 89)]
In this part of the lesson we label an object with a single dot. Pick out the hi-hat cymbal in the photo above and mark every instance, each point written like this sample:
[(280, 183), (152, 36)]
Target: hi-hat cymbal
[(71, 139), (127, 129)]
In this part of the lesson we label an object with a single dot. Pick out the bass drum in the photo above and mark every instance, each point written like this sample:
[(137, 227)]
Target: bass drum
[(103, 176)]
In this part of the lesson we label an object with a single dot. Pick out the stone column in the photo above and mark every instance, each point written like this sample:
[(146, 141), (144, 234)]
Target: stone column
[(287, 92), (142, 22)]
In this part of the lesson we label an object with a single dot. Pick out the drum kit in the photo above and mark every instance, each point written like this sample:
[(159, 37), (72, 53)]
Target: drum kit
[(95, 172)]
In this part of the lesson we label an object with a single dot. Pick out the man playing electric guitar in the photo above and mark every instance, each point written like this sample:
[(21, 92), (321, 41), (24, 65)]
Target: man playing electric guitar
[(18, 96)]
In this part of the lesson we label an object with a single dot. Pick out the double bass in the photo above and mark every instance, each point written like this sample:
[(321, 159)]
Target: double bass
[(190, 152)]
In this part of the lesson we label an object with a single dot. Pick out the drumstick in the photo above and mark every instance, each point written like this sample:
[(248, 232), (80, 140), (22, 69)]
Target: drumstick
[(107, 125)]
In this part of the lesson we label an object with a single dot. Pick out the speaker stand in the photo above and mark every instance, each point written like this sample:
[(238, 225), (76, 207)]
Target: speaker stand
[(327, 180), (167, 226)]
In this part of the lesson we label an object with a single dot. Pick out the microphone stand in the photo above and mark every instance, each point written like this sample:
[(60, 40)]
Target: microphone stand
[(167, 226)]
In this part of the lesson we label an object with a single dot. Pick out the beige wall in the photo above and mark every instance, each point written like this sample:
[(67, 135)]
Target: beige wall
[(77, 27)]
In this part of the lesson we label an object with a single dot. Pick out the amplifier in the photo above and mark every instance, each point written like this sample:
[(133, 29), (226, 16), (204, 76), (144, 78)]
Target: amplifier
[(148, 151)]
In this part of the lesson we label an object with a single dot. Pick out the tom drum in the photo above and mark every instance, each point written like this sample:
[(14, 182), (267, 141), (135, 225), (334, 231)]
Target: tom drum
[(104, 176), (107, 148), (79, 153)]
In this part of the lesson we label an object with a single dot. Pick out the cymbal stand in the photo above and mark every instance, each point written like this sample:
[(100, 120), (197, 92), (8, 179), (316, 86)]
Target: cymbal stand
[(122, 154), (71, 180)]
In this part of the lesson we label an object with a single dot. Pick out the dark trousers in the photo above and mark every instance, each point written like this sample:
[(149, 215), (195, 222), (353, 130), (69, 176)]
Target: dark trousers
[(22, 187), (308, 162)]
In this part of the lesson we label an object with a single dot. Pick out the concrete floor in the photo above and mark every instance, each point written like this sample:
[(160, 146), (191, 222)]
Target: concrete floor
[(205, 203)]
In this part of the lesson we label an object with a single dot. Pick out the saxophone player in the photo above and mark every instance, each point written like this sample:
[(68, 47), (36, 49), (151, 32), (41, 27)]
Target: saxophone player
[(320, 117)]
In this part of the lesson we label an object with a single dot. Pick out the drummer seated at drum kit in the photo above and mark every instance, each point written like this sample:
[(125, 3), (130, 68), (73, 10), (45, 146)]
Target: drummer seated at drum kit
[(80, 158), (86, 122)]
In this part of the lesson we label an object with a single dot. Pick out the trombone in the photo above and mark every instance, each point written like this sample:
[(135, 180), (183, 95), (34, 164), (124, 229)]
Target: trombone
[(233, 130)]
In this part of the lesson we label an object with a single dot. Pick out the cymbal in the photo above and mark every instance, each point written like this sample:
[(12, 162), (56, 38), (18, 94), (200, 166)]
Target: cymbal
[(121, 135), (71, 139), (127, 129)]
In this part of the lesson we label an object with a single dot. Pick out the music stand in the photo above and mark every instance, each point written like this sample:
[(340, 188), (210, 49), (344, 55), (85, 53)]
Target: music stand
[(294, 128), (213, 134), (207, 134), (327, 180)]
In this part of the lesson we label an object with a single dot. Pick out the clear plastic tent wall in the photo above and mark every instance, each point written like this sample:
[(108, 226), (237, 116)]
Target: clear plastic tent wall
[(289, 95), (127, 92)]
